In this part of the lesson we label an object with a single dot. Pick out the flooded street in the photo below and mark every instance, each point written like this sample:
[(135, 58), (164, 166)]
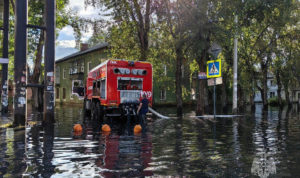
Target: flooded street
[(260, 144)]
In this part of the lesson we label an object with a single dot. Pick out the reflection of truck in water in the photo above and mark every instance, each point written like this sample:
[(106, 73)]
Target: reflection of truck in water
[(124, 156), (114, 88)]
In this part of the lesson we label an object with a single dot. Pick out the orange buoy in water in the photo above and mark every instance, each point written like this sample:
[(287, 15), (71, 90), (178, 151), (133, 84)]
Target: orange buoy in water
[(137, 129), (106, 128), (77, 128)]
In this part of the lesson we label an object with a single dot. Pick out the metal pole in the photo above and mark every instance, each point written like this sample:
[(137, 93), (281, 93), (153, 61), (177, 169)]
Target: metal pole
[(214, 98), (49, 61), (235, 58), (20, 62), (4, 98)]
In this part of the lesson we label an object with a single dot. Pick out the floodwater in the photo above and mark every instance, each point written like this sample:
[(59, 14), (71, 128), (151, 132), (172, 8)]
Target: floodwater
[(259, 144)]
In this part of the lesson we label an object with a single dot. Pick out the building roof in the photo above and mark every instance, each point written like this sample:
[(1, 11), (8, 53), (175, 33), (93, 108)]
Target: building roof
[(79, 53), (100, 65)]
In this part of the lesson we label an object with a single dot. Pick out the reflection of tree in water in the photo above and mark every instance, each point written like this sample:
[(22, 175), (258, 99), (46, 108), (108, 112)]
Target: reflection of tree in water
[(265, 140), (39, 152), (12, 152)]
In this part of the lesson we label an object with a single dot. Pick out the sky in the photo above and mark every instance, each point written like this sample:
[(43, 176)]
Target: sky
[(65, 44)]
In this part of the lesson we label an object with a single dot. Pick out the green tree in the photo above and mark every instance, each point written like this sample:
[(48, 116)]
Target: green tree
[(133, 13), (261, 29), (175, 19)]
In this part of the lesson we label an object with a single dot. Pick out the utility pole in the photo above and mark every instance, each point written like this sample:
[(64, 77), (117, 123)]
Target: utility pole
[(20, 62), (49, 102), (235, 75), (4, 97)]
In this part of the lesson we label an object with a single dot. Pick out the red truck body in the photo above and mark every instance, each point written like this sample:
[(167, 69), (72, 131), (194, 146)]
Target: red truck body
[(116, 82), (115, 87)]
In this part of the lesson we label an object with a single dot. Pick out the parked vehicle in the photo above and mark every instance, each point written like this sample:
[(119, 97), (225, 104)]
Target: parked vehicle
[(115, 87)]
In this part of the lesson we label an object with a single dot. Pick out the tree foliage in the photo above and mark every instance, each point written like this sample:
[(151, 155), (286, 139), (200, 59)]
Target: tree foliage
[(135, 13), (268, 33)]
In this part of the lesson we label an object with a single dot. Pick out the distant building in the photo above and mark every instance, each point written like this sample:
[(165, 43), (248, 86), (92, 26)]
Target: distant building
[(294, 91), (71, 72)]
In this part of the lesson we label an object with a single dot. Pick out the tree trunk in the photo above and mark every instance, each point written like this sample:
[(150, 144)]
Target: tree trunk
[(37, 71), (287, 95), (224, 94), (241, 97), (264, 85), (143, 38), (279, 85), (178, 81), (202, 100), (252, 95), (143, 26)]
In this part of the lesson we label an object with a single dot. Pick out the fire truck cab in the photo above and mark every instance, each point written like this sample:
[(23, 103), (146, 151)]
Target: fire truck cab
[(115, 87)]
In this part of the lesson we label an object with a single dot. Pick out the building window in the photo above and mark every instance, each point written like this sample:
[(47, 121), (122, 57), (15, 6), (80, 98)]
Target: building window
[(57, 75), (82, 68), (272, 94), (64, 93), (298, 96), (272, 83), (64, 73), (78, 88), (163, 94), (57, 93), (165, 70), (89, 66)]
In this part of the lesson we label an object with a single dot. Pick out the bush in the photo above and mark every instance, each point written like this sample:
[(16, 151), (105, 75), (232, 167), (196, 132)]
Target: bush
[(274, 101)]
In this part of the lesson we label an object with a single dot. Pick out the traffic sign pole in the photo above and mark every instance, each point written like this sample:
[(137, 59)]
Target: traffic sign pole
[(214, 98), (215, 50)]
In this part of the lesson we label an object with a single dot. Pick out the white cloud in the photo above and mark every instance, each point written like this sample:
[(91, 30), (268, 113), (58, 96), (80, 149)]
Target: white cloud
[(67, 43), (79, 7), (67, 30)]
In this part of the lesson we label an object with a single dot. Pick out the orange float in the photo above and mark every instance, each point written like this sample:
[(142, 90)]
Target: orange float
[(77, 128), (106, 128), (137, 129)]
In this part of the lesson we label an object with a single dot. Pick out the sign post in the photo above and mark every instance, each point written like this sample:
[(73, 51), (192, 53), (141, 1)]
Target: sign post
[(214, 68)]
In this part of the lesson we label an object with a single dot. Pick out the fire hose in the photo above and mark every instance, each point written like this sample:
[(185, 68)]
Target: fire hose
[(158, 114)]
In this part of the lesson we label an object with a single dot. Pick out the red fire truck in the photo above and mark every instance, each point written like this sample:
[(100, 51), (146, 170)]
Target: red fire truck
[(114, 88)]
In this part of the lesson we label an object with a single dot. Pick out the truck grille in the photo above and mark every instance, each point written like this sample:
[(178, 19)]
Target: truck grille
[(130, 96)]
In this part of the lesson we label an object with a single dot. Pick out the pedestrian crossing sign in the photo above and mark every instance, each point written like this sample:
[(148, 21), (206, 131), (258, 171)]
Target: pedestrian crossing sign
[(214, 68)]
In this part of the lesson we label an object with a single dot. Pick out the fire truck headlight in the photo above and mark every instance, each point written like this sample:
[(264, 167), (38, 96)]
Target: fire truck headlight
[(140, 72), (122, 71), (134, 71), (127, 71)]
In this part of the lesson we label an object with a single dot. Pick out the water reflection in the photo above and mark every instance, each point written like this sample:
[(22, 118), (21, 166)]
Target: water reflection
[(12, 160), (265, 141), (262, 144)]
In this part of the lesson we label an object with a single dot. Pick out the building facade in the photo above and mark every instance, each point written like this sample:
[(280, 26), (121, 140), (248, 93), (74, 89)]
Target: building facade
[(71, 72), (294, 91)]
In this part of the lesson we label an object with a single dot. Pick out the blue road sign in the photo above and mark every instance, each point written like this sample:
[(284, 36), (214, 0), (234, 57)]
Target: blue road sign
[(214, 68)]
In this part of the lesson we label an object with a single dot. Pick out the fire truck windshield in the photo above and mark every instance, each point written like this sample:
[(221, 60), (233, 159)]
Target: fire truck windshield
[(127, 83)]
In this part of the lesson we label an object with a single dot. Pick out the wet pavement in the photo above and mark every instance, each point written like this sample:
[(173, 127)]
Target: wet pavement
[(260, 144)]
